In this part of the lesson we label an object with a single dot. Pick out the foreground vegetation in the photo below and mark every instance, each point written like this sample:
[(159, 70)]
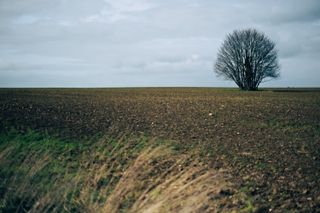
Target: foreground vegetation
[(44, 174), (84, 143)]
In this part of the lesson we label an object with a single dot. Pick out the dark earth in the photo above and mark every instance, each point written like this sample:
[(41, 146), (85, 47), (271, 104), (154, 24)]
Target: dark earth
[(270, 139)]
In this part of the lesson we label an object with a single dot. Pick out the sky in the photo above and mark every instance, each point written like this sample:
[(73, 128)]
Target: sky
[(148, 43)]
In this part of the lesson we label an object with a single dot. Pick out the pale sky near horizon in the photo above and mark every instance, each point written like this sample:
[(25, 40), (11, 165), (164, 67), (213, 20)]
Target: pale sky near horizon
[(129, 43)]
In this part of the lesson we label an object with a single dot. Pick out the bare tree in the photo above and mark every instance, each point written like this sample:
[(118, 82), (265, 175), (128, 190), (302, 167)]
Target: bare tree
[(247, 57)]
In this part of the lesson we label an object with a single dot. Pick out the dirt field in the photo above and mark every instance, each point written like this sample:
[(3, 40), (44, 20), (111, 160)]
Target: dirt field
[(269, 141)]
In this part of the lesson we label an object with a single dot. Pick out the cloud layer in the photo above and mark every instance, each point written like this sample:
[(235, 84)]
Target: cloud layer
[(107, 43)]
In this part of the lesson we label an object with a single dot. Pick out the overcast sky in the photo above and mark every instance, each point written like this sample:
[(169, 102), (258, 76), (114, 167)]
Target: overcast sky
[(114, 43)]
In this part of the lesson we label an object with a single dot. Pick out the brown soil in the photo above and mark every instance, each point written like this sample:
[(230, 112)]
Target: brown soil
[(269, 141)]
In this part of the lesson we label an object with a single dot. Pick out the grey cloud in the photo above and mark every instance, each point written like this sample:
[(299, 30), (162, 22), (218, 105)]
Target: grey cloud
[(147, 42)]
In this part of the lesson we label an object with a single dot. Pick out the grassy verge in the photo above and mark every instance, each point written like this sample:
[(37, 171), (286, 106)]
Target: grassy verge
[(42, 173)]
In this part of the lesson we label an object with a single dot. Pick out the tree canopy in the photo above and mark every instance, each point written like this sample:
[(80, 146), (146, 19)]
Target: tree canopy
[(247, 57)]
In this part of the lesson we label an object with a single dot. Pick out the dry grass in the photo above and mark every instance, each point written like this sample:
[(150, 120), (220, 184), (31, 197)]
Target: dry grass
[(133, 174)]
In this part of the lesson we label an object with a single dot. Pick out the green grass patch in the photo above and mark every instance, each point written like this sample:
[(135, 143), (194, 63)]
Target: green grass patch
[(43, 173)]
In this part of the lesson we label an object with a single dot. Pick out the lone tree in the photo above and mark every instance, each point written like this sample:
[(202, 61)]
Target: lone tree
[(247, 57)]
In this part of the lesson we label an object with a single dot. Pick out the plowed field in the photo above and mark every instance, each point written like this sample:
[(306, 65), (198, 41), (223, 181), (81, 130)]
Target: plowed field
[(269, 140)]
